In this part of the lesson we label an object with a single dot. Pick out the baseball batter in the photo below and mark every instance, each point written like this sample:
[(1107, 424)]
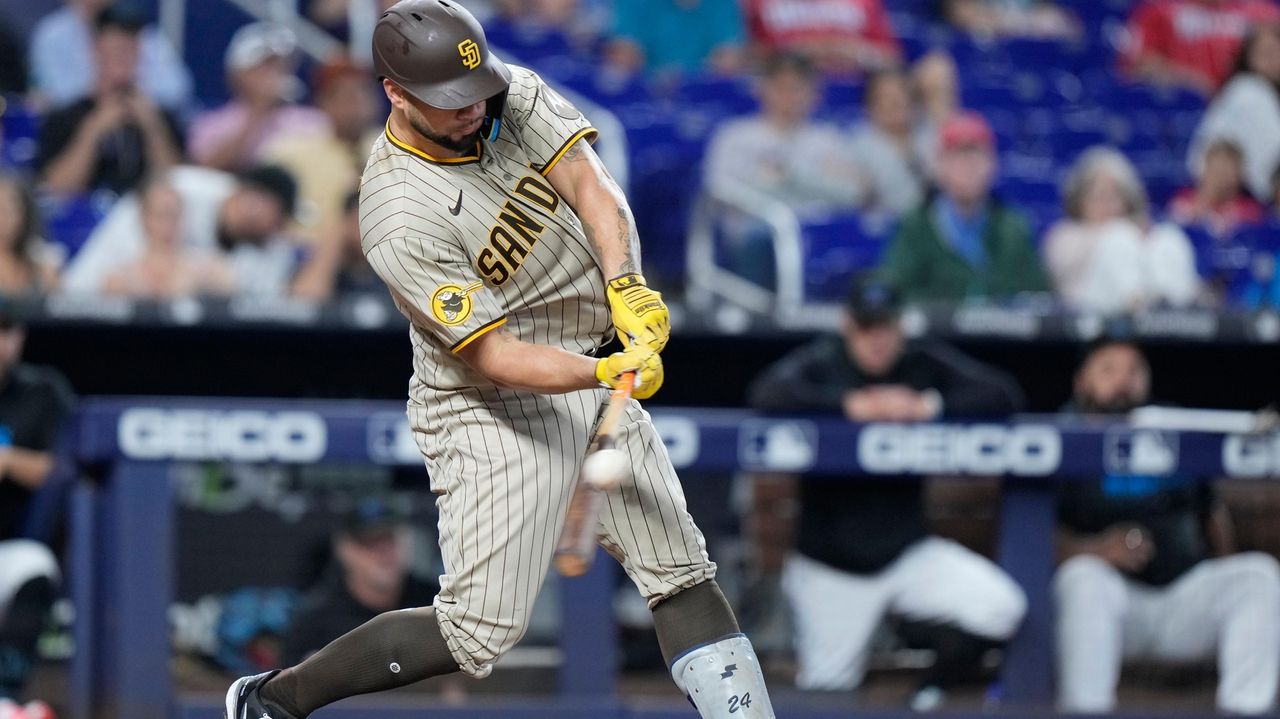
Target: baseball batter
[(514, 255)]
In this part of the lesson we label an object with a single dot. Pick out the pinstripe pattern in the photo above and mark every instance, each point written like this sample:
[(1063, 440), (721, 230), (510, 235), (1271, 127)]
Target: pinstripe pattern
[(502, 462)]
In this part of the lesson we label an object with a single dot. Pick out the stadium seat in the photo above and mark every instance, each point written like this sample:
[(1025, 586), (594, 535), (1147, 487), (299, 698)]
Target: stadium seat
[(842, 97), (1027, 193), (1247, 260), (721, 95), (70, 220), (836, 248), (531, 43), (20, 126), (611, 89)]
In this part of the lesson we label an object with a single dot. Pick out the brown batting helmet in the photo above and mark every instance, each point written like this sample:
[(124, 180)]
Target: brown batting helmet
[(436, 51)]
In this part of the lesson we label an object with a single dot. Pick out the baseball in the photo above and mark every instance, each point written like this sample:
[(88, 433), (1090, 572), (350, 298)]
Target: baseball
[(605, 469)]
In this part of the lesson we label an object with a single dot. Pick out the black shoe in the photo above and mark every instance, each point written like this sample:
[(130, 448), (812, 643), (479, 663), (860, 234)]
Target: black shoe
[(243, 701)]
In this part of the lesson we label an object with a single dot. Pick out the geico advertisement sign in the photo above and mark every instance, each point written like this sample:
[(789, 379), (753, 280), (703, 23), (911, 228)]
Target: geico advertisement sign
[(241, 436), (1027, 450), (1251, 455)]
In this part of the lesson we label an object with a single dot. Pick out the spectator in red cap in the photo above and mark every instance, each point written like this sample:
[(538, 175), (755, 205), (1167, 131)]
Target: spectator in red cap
[(1190, 42), (328, 161), (963, 243)]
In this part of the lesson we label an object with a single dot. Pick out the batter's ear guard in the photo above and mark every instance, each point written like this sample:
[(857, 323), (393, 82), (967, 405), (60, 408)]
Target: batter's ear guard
[(493, 116)]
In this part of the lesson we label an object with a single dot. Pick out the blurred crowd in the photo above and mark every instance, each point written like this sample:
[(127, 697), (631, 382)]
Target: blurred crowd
[(931, 167), (128, 184), (131, 191)]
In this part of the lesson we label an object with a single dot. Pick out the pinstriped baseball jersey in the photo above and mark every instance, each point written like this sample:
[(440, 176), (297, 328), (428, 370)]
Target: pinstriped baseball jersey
[(468, 245), (471, 243)]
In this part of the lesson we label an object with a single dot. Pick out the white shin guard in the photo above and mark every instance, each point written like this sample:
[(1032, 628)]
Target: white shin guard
[(723, 680)]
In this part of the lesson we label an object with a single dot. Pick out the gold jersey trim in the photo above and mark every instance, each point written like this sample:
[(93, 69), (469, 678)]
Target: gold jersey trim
[(429, 158), (590, 132), (483, 330)]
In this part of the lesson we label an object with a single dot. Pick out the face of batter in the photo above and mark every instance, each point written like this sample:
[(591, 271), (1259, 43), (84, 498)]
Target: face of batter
[(440, 133)]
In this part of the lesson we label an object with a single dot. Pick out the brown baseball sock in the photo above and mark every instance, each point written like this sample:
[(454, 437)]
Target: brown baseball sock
[(696, 616), (391, 650)]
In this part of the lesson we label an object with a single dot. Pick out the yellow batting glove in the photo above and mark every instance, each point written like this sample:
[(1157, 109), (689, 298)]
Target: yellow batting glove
[(639, 314), (643, 359)]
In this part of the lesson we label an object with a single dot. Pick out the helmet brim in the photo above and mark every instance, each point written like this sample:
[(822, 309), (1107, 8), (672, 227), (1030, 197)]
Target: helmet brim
[(478, 85)]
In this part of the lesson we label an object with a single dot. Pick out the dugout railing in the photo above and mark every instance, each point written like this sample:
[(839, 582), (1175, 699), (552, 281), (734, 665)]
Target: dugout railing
[(120, 555)]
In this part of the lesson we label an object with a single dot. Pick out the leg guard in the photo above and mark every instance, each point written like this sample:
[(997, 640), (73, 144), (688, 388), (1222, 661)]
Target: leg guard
[(723, 680)]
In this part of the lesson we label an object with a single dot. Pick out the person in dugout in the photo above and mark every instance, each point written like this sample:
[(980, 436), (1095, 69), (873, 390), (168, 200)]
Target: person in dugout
[(1149, 568), (862, 552)]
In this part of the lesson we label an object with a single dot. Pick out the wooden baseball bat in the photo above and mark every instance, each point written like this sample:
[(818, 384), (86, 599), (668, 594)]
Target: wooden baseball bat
[(576, 549)]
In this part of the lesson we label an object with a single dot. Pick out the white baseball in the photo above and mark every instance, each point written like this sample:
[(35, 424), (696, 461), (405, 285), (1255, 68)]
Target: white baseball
[(605, 469)]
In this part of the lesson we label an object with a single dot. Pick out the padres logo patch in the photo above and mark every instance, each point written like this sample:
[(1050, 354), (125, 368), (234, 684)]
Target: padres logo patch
[(470, 53), (451, 304)]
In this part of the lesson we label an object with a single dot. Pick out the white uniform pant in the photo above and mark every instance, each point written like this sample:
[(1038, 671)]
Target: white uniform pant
[(935, 580), (22, 560), (1228, 606)]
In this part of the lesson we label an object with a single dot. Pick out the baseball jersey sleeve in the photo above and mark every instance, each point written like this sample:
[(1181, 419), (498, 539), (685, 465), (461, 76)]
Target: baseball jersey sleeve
[(434, 284), (546, 123)]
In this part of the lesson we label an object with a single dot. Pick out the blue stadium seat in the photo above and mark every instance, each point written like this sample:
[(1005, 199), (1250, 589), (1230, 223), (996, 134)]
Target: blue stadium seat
[(664, 184), (1006, 124), (842, 98), (1028, 193), (836, 248), (1094, 13), (987, 97), (1262, 244), (607, 88), (1220, 260), (1020, 166), (20, 126), (70, 220), (531, 43), (1182, 124), (1037, 53), (1137, 133), (1041, 215), (714, 93)]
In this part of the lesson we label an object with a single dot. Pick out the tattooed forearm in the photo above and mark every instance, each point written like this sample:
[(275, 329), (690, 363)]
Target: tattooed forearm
[(628, 238), (584, 182)]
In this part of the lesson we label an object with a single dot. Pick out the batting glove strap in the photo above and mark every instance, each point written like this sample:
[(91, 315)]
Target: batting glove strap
[(639, 313)]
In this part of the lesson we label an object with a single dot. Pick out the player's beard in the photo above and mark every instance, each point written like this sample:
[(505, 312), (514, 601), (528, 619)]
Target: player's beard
[(465, 144)]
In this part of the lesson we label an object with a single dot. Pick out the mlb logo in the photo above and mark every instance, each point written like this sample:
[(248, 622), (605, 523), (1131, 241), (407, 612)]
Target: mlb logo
[(1141, 452), (782, 446)]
